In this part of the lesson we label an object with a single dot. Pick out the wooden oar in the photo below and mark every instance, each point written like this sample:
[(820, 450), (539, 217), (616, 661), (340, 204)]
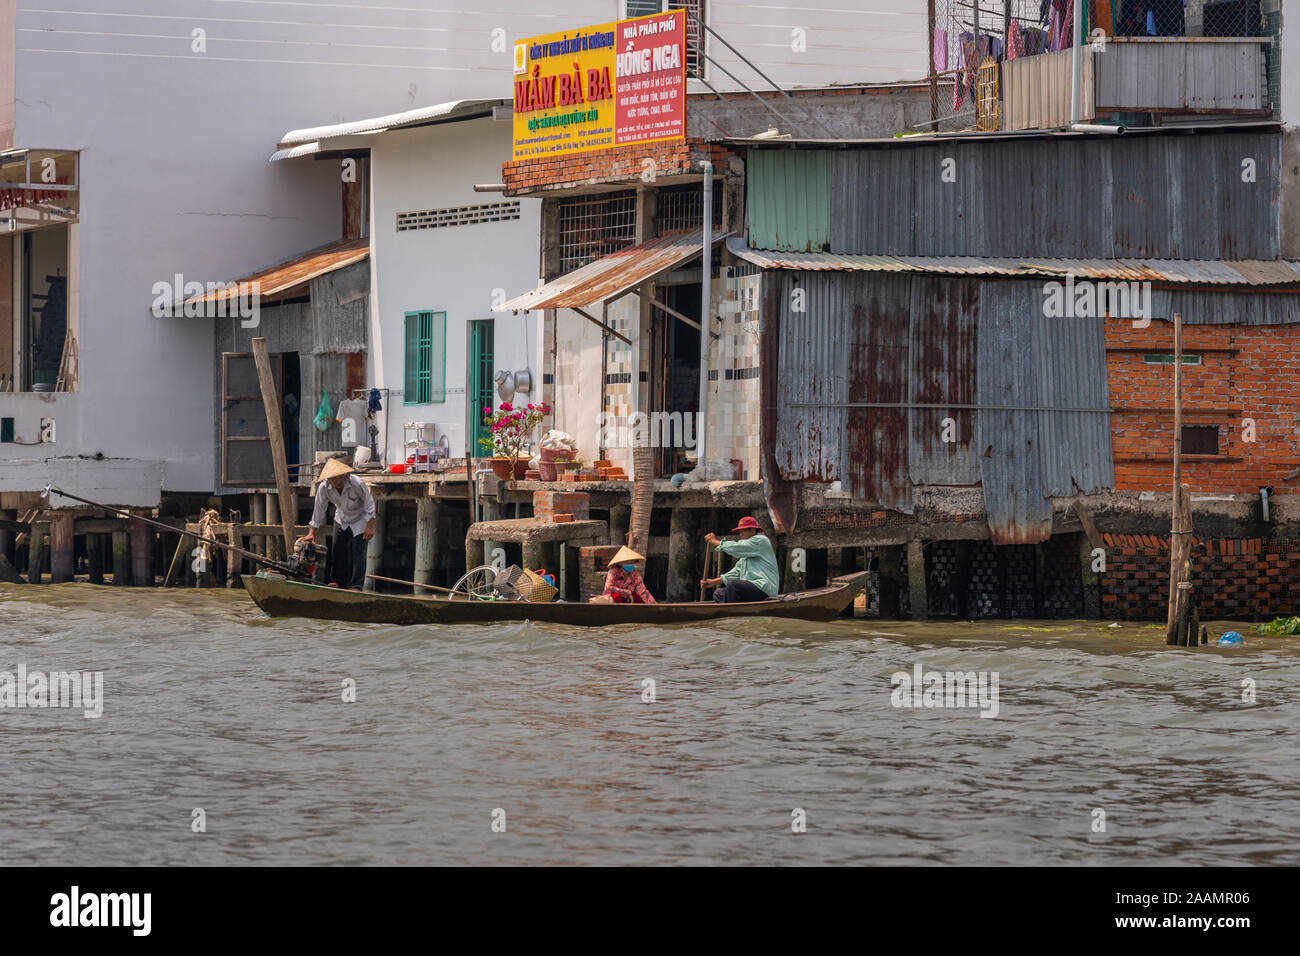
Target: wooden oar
[(708, 556), (412, 584)]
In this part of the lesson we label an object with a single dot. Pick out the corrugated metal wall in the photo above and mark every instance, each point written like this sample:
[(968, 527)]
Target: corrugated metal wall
[(862, 340), (1204, 307), (789, 200), (1170, 73), (323, 332), (1036, 90), (1168, 197)]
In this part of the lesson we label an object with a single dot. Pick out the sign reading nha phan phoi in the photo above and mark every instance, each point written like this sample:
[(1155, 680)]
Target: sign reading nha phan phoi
[(608, 85)]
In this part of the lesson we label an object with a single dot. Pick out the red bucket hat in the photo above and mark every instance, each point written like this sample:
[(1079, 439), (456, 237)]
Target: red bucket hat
[(747, 523)]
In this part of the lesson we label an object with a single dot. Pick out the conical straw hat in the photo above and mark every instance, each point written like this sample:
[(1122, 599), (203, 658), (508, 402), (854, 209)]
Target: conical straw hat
[(335, 467), (625, 556)]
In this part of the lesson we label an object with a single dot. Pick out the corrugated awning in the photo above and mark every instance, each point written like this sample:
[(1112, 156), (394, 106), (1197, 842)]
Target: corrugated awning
[(1248, 272), (283, 280), (612, 275)]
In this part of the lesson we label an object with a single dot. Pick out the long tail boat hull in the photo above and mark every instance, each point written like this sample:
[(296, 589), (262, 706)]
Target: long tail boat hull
[(280, 597)]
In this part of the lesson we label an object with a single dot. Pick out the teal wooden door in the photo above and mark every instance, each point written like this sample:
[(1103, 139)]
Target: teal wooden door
[(481, 347)]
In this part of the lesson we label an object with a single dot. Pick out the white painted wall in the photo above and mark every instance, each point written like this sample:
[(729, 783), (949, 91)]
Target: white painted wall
[(174, 177), (454, 269)]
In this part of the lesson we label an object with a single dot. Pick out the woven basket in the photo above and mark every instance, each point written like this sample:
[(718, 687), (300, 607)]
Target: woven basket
[(535, 588)]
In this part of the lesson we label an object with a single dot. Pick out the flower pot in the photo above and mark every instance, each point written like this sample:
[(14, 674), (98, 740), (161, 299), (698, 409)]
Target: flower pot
[(503, 468), (547, 468)]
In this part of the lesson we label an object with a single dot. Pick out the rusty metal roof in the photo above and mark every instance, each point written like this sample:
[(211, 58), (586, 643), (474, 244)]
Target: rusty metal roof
[(1252, 272), (282, 280), (612, 275)]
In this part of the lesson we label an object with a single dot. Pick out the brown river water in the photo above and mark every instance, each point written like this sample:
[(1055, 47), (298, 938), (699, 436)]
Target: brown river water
[(755, 728)]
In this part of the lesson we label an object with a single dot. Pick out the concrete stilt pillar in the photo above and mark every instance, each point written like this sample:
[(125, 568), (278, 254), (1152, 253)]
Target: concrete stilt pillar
[(142, 543), (35, 556), (257, 508), (834, 563), (7, 537), (375, 550), (121, 558), (796, 569), (620, 518), (1090, 579), (916, 580), (685, 555), (474, 554), (427, 512), (892, 581), (95, 557), (534, 555), (275, 543), (62, 546)]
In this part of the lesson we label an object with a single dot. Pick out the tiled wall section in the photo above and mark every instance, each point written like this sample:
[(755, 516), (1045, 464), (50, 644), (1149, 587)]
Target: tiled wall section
[(733, 423)]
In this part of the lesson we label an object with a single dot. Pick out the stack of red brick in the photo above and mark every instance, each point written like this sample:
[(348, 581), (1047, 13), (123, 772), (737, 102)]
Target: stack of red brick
[(561, 506)]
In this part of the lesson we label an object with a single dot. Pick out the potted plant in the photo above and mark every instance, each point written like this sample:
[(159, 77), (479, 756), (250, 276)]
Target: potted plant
[(511, 428)]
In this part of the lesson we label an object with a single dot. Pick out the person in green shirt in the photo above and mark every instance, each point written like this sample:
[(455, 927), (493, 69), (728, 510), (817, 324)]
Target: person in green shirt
[(755, 576)]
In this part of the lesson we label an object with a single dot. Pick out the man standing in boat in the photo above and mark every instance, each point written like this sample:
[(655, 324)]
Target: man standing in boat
[(755, 576), (354, 522)]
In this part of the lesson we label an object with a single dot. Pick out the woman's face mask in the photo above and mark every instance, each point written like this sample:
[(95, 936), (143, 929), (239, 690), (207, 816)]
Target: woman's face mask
[(629, 567)]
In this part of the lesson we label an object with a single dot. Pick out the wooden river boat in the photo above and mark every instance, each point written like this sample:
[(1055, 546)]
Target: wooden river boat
[(279, 596)]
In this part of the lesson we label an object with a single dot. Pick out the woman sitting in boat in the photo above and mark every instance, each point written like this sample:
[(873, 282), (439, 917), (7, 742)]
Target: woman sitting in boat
[(755, 576), (623, 583)]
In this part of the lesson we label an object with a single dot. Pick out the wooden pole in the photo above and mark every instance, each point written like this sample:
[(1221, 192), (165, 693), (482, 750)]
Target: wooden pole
[(178, 560), (121, 558), (275, 433), (708, 557), (35, 556), (142, 545), (1181, 509), (95, 557), (62, 547)]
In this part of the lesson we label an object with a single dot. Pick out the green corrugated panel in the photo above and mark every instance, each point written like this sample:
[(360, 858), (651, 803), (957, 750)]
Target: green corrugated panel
[(789, 199)]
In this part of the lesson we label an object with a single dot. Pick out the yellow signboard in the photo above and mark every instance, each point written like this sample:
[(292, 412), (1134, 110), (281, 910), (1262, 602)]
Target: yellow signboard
[(610, 85)]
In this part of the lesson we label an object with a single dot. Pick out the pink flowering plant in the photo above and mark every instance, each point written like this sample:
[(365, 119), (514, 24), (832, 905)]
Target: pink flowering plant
[(511, 428)]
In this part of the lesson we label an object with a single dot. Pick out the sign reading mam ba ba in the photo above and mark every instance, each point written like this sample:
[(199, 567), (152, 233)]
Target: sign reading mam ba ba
[(608, 85)]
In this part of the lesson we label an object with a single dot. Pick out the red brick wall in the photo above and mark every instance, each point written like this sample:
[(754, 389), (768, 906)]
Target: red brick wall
[(593, 564), (1235, 578), (624, 164), (548, 504), (1259, 379)]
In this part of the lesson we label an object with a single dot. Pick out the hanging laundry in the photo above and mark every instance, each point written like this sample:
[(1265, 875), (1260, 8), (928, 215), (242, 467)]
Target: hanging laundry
[(1015, 41), (374, 405), (940, 50)]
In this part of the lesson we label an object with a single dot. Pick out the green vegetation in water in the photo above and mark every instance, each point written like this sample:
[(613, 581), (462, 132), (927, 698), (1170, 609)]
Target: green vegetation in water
[(1282, 625)]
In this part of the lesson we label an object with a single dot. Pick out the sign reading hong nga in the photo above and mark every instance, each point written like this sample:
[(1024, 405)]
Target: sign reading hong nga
[(609, 85)]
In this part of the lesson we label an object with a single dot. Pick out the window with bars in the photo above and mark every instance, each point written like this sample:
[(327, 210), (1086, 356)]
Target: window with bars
[(694, 32), (677, 208), (595, 226), (426, 358)]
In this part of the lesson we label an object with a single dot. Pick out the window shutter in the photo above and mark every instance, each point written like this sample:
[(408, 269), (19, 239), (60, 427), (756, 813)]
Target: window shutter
[(438, 357), (410, 389)]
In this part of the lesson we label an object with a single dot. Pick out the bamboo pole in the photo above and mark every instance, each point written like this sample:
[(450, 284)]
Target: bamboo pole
[(708, 558), (275, 434), (1179, 544)]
